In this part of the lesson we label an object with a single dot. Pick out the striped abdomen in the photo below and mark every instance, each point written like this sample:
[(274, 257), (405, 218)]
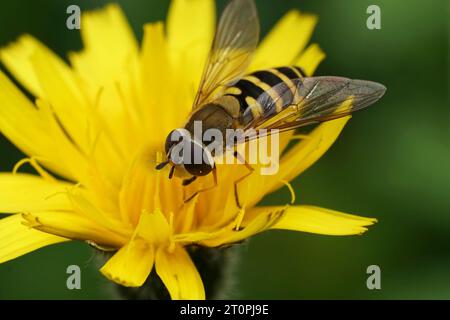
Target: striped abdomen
[(251, 86)]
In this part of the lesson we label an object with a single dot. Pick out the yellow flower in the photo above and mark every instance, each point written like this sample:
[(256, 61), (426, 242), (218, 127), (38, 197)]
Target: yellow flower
[(98, 126)]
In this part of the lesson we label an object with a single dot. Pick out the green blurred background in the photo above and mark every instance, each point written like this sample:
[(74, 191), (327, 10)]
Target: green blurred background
[(392, 162)]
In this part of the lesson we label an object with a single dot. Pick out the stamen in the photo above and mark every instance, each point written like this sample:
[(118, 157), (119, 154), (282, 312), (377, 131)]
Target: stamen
[(171, 248), (100, 247), (32, 161), (239, 219), (275, 216), (171, 221), (30, 220), (291, 190), (156, 199), (56, 194)]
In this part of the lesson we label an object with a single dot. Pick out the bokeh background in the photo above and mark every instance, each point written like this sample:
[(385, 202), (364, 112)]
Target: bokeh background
[(392, 162)]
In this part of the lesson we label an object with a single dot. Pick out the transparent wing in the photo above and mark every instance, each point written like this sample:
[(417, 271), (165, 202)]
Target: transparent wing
[(309, 100), (235, 41)]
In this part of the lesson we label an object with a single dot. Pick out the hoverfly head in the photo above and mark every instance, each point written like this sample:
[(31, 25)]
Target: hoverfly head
[(173, 139), (187, 154)]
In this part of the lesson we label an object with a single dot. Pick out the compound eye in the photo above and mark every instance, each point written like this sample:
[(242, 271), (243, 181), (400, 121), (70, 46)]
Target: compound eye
[(170, 141), (201, 169), (198, 164)]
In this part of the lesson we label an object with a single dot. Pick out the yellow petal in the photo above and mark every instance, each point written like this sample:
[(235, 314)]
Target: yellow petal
[(179, 274), (285, 41), (76, 227), (104, 29), (109, 43), (299, 218), (138, 190), (17, 239), (310, 59), (153, 227), (108, 67), (16, 58), (321, 221), (84, 207), (26, 192), (294, 161), (138, 254), (248, 228), (20, 121), (191, 24), (308, 151), (35, 131), (131, 265), (190, 30), (161, 64), (61, 90), (156, 69)]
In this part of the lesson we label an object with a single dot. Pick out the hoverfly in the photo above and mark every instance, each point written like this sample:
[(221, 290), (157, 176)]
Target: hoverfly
[(281, 98)]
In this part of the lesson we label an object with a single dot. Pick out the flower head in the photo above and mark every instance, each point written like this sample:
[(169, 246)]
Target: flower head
[(97, 128)]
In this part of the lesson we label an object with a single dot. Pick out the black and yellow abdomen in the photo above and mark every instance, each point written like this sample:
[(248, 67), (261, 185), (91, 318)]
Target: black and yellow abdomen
[(251, 86)]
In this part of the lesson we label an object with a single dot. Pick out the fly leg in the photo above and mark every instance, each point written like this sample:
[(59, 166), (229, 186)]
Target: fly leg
[(236, 183), (189, 181)]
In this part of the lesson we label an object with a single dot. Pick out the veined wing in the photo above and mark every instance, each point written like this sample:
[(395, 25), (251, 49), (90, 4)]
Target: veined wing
[(310, 100), (235, 41)]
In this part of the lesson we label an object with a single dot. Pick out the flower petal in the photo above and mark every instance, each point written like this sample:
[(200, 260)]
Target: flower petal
[(153, 227), (310, 59), (61, 90), (16, 58), (308, 151), (35, 132), (146, 189), (108, 69), (179, 274), (20, 122), (156, 68), (191, 24), (26, 192), (285, 41), (295, 161), (298, 218), (247, 228), (76, 227), (131, 265), (190, 30), (109, 43), (138, 254), (321, 221), (17, 239)]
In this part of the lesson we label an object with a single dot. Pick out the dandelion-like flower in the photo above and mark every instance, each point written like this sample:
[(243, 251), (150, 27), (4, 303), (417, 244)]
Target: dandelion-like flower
[(97, 128)]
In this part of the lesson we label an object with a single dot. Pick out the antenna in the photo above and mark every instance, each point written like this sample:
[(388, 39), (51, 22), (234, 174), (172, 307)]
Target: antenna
[(161, 165)]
